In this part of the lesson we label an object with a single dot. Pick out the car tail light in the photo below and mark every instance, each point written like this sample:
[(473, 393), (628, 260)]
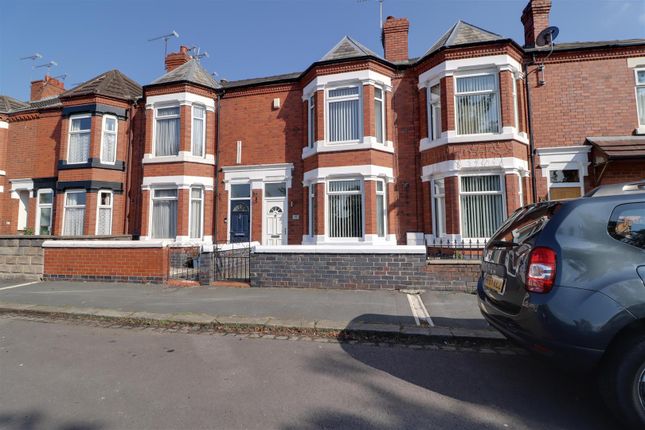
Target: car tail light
[(540, 275)]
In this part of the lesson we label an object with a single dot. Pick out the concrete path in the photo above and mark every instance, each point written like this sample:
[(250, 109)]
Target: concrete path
[(381, 311)]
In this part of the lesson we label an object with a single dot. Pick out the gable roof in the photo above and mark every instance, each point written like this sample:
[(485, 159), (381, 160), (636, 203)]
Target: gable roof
[(8, 104), (111, 84), (463, 33), (347, 48), (192, 72)]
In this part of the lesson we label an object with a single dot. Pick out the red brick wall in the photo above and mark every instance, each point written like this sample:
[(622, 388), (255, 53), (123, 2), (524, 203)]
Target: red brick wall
[(395, 38)]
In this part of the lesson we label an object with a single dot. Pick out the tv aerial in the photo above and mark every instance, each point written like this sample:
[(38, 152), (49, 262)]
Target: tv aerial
[(544, 39), (48, 66), (196, 54), (165, 38)]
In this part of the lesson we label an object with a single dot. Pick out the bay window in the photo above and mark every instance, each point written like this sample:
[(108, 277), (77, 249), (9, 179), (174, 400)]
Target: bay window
[(640, 96), (104, 207), (164, 213), (109, 139), (439, 207), (74, 213), (78, 148), (344, 114), (44, 211), (477, 104), (199, 130), (381, 209), (311, 122), (167, 131), (196, 212), (345, 208), (482, 205), (379, 114), (434, 112)]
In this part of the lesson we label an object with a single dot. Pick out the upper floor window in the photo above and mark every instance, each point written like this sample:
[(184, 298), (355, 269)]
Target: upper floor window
[(344, 119), (434, 112), (379, 114), (108, 139), (74, 213), (640, 96), (104, 213), (477, 104), (199, 130), (78, 150), (167, 131), (311, 118), (345, 208)]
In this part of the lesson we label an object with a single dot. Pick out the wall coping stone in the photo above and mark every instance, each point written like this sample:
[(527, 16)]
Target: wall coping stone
[(341, 249), (455, 262), (107, 243)]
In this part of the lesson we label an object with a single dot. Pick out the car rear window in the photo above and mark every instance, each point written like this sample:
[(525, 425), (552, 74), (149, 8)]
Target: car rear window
[(525, 223), (627, 224)]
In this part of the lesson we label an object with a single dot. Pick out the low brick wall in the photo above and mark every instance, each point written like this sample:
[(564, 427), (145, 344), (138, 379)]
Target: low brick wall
[(21, 258), (452, 275), (110, 262)]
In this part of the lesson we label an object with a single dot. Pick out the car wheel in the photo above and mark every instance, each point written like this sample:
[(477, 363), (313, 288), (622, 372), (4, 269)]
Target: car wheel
[(623, 381)]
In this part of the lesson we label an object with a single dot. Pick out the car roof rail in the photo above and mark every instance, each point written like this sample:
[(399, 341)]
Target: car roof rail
[(617, 189)]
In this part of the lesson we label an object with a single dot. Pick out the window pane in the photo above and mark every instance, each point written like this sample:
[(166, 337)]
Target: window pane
[(104, 221), (196, 193), (108, 153), (196, 219), (564, 176), (81, 124), (275, 190), (378, 120), (79, 147), (341, 186), (641, 77), (342, 92), (75, 199), (110, 124), (45, 221), (641, 104), (198, 137), (627, 224), (477, 113), (379, 186), (168, 111), (240, 190), (74, 220), (378, 93), (164, 219), (345, 215), (165, 193), (380, 215), (344, 121), (198, 112), (106, 199), (481, 215), (475, 83), (480, 183), (167, 137), (46, 198)]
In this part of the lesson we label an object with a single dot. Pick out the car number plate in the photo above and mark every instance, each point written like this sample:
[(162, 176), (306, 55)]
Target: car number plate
[(494, 283)]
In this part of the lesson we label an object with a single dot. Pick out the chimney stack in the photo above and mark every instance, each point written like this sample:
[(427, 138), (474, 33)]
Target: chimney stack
[(395, 38), (176, 59), (535, 18), (46, 87)]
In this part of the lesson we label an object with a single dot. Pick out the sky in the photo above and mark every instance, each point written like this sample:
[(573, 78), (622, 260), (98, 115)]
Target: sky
[(254, 38)]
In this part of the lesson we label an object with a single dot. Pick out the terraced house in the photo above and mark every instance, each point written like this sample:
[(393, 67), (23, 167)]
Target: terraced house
[(357, 149)]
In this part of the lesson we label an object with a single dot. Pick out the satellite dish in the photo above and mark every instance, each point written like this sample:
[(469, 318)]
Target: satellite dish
[(547, 36)]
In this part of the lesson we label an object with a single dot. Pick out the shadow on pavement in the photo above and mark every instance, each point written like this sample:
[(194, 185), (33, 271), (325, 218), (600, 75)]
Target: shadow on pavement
[(35, 420)]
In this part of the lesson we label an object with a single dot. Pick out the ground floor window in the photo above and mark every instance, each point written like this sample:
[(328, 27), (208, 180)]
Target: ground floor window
[(44, 212), (381, 208), (164, 213), (565, 184), (439, 207), (345, 208), (104, 213), (196, 212), (482, 205), (74, 213)]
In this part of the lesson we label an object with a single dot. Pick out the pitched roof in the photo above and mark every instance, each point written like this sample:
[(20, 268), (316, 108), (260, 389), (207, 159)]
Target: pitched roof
[(111, 84), (463, 33), (264, 80), (347, 48), (190, 71), (620, 147), (8, 104)]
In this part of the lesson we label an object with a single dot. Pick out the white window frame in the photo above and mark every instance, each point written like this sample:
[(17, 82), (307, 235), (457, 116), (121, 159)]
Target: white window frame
[(99, 206), (432, 101), (329, 100), (381, 100), (502, 186), (495, 74), (192, 129), (383, 193), (65, 208), (555, 166), (311, 121), (153, 198), (516, 106), (154, 131), (190, 211), (435, 196), (328, 193), (70, 132), (521, 189), (40, 206), (116, 137), (640, 110)]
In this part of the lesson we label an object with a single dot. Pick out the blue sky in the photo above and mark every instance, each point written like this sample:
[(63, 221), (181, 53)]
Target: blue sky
[(248, 38)]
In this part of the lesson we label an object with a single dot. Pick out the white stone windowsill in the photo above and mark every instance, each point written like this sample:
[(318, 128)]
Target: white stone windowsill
[(183, 157), (341, 249), (157, 243), (369, 142), (508, 133)]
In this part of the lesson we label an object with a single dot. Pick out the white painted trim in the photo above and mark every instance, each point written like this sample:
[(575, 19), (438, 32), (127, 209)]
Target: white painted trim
[(26, 184), (341, 249), (3, 173), (564, 157), (369, 142), (449, 67), (257, 174), (192, 131), (1, 189), (451, 136), (507, 165), (4, 124), (202, 200), (183, 157), (69, 136), (116, 140), (98, 207), (181, 99), (365, 77), (181, 182), (636, 62), (367, 171), (45, 206), (153, 243)]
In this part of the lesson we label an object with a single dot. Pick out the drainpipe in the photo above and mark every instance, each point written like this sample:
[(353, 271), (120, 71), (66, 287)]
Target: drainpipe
[(217, 146), (530, 126), (128, 166)]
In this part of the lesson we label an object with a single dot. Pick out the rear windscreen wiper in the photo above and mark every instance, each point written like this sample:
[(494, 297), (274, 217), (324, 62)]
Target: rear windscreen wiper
[(502, 244)]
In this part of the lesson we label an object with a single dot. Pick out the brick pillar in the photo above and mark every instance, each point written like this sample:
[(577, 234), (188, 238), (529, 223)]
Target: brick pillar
[(506, 98), (57, 225), (389, 116), (423, 113), (305, 210), (257, 213), (91, 199), (223, 213), (447, 103), (150, 117), (521, 106), (210, 132), (370, 207), (95, 136), (369, 127), (427, 207), (319, 99), (320, 209), (185, 119), (392, 210), (512, 193), (452, 205), (145, 213), (183, 198), (208, 212)]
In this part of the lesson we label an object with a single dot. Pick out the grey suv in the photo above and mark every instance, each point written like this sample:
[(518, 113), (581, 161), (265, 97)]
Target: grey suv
[(566, 279)]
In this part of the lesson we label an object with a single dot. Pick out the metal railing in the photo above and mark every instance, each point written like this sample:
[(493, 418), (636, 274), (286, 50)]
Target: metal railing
[(456, 249), (231, 262), (183, 262)]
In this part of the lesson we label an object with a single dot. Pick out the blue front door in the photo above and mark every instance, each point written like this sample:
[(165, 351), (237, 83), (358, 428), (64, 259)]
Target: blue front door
[(240, 220)]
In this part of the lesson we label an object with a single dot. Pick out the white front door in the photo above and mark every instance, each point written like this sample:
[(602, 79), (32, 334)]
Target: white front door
[(275, 229), (23, 208)]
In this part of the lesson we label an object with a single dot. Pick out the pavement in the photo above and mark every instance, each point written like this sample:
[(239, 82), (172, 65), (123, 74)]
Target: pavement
[(63, 376), (428, 313)]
